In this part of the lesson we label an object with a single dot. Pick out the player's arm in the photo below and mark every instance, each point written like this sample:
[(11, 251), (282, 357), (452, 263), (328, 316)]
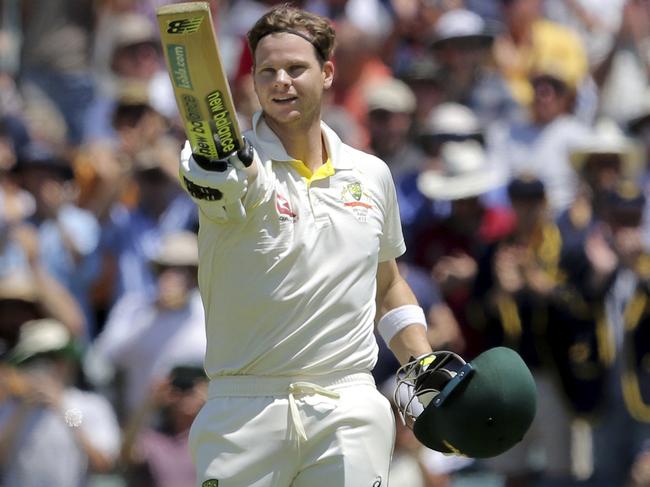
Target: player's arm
[(402, 325), (400, 321)]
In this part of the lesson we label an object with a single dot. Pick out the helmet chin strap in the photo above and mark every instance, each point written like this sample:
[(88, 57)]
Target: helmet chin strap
[(423, 378)]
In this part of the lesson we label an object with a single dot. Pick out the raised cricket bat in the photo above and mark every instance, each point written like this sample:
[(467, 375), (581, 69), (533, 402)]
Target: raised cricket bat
[(200, 83)]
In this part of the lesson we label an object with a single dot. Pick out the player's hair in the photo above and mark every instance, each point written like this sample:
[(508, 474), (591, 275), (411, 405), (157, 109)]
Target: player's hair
[(287, 18)]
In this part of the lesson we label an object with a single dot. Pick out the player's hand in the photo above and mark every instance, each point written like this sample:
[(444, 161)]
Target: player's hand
[(217, 187)]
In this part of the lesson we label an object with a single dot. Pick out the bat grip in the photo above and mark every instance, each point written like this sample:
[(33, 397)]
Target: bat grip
[(246, 155)]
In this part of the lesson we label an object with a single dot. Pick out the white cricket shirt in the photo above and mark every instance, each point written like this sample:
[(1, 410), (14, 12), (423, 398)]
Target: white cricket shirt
[(291, 291)]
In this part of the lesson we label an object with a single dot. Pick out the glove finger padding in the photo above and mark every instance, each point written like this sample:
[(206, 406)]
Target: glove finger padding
[(244, 156), (218, 193)]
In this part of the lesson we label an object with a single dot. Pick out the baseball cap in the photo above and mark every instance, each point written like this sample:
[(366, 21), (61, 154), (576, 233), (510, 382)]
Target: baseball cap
[(484, 410), (460, 24)]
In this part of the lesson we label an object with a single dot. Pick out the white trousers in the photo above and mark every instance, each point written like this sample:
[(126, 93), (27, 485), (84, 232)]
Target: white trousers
[(293, 432)]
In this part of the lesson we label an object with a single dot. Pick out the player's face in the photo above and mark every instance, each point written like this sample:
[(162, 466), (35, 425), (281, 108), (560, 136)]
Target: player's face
[(289, 80)]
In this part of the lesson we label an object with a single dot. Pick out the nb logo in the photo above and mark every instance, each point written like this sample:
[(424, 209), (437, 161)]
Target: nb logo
[(377, 482), (184, 26)]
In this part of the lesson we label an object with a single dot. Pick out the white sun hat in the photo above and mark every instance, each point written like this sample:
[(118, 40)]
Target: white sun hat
[(451, 119), (465, 174), (39, 337)]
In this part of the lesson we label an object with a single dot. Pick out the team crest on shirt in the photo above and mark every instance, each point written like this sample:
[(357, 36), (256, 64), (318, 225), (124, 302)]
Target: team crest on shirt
[(355, 198), (285, 211)]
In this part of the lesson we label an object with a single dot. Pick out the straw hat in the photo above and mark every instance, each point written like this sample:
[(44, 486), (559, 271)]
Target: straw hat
[(466, 173), (608, 139)]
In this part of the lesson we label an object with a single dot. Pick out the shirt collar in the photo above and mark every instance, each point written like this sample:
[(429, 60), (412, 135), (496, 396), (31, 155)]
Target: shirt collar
[(271, 146)]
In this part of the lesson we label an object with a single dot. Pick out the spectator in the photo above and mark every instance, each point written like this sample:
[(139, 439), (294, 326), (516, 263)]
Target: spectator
[(424, 78), (358, 67), (449, 248), (511, 304), (529, 41), (595, 21), (627, 331), (131, 236), (68, 235), (371, 16), (446, 122), (33, 294), (51, 432), (622, 75), (540, 146), (461, 44), (391, 104), (638, 128), (408, 39), (55, 59), (145, 336), (602, 161), (135, 59), (157, 455)]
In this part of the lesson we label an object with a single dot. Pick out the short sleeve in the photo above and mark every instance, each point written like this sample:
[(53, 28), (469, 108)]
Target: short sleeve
[(391, 243)]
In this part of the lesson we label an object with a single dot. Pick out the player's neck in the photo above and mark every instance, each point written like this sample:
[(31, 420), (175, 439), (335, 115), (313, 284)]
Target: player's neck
[(304, 144)]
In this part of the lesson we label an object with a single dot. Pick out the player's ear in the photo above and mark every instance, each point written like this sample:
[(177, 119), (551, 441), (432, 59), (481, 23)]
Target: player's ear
[(328, 74)]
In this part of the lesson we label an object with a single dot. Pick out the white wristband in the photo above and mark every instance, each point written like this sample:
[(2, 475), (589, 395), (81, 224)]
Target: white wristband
[(399, 318)]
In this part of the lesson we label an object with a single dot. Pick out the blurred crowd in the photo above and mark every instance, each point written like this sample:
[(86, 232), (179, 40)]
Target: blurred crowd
[(518, 136)]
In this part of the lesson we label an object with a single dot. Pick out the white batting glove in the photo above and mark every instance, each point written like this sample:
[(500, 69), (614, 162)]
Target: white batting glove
[(217, 187)]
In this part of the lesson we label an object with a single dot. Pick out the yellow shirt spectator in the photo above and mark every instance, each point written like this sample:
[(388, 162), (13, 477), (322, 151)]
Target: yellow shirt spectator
[(548, 42)]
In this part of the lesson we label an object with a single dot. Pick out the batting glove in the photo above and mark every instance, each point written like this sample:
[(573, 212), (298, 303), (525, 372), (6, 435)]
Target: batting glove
[(217, 187)]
